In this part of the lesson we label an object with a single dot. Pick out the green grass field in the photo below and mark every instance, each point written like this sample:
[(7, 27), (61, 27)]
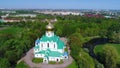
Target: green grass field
[(11, 30), (99, 48)]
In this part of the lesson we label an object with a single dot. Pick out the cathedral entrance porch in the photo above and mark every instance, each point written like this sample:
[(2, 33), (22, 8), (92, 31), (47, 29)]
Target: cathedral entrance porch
[(45, 60)]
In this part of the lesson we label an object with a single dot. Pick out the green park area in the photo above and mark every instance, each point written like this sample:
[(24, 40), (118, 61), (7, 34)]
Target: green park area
[(19, 37), (99, 48)]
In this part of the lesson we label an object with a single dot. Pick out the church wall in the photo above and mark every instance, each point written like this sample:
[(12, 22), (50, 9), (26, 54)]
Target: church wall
[(54, 59), (49, 33), (43, 46), (46, 45), (52, 47), (39, 55), (36, 50)]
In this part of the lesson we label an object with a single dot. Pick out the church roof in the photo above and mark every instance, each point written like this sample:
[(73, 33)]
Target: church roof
[(49, 26), (56, 54), (60, 44), (36, 47), (54, 39), (50, 53)]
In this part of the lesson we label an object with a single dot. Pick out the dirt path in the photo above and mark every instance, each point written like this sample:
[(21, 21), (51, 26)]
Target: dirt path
[(29, 56)]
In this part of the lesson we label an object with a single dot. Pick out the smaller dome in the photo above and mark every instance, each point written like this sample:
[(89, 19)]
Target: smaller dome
[(49, 26)]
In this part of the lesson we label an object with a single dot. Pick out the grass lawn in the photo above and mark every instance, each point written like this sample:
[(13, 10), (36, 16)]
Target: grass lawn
[(11, 30), (61, 61), (22, 65), (99, 48), (72, 65), (37, 60), (52, 62)]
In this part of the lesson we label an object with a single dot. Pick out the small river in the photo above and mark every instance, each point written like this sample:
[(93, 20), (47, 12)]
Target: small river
[(90, 45)]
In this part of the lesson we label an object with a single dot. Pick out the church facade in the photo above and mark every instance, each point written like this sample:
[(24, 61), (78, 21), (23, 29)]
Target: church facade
[(50, 47)]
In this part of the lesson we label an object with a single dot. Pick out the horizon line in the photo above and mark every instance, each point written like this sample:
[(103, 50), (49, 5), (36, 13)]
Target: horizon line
[(63, 8)]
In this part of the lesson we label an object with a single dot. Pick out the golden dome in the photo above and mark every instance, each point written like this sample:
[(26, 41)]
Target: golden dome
[(49, 26)]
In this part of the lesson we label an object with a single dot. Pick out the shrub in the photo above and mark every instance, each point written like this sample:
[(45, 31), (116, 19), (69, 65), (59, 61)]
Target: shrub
[(37, 60)]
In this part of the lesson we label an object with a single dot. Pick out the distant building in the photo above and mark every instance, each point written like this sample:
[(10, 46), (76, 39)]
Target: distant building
[(60, 13), (11, 20), (50, 20), (5, 16), (50, 47), (8, 11), (94, 15), (26, 15), (107, 16)]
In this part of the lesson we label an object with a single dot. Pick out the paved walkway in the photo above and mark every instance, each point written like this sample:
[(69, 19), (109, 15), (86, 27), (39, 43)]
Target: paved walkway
[(29, 56)]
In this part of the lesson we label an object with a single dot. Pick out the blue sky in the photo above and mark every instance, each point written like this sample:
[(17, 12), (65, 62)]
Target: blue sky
[(61, 4)]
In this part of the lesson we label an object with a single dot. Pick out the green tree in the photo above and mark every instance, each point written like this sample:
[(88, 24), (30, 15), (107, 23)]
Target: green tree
[(85, 61), (4, 63), (74, 51), (76, 39), (11, 56), (114, 33), (59, 32), (111, 56)]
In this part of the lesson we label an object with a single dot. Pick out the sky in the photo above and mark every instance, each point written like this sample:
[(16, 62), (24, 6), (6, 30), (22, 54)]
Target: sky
[(60, 4)]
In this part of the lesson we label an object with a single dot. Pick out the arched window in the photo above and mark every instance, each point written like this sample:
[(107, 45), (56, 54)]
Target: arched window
[(57, 60), (36, 49), (54, 45), (48, 34), (41, 45), (48, 45)]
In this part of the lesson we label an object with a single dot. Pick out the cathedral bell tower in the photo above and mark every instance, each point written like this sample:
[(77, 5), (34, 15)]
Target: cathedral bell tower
[(49, 30)]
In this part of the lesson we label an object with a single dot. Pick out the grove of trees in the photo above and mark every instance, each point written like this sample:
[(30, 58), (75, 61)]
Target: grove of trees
[(19, 37)]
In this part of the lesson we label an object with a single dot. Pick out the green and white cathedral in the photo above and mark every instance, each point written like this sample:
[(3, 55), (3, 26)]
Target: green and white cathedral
[(50, 47)]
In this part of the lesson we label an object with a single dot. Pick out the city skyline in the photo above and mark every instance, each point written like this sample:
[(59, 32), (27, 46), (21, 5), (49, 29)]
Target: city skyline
[(60, 4)]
